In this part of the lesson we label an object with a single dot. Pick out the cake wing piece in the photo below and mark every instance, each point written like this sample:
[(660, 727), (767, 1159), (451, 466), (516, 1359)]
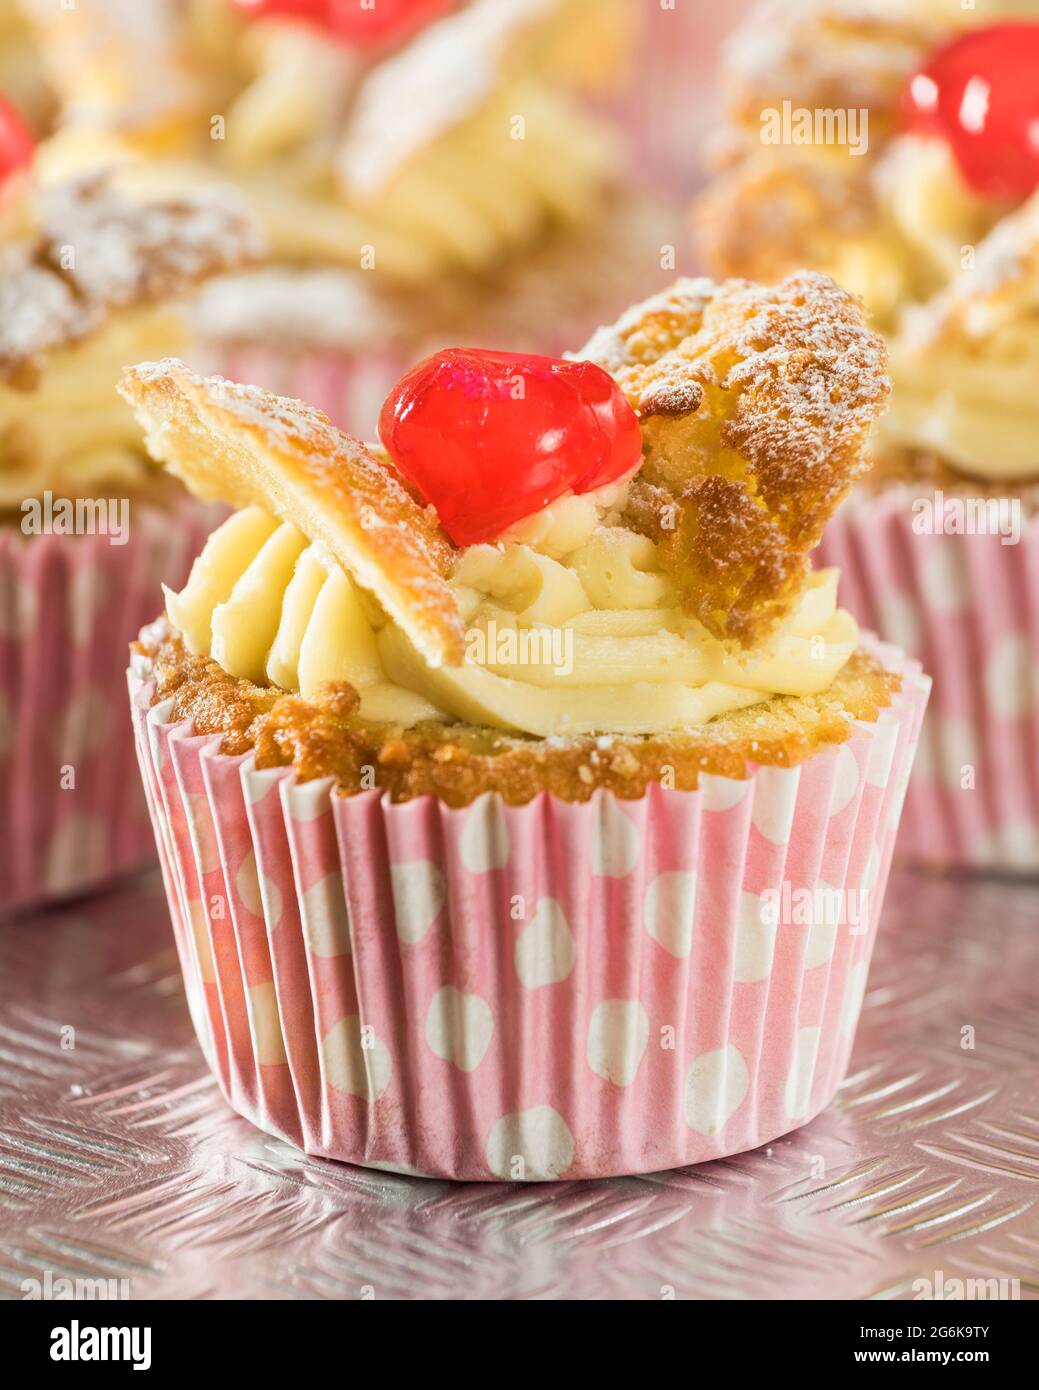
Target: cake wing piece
[(755, 405), (240, 445)]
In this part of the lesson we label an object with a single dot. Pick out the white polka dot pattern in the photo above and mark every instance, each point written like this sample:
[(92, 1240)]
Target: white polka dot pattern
[(755, 939), (485, 839), (268, 1042), (356, 1061), (459, 1027), (617, 1036), (900, 621), (77, 850), (419, 895), (943, 577), (1012, 677), (775, 797), (715, 1087), (545, 951), (326, 920), (203, 944), (669, 908), (261, 895), (530, 1145), (616, 841), (854, 993), (85, 728), (826, 916), (722, 793), (802, 1073), (846, 781), (307, 801), (203, 834)]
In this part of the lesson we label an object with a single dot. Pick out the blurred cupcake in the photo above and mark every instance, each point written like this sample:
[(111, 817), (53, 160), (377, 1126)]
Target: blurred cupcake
[(87, 283), (879, 193), (942, 553), (422, 183), (672, 106), (525, 801), (932, 217)]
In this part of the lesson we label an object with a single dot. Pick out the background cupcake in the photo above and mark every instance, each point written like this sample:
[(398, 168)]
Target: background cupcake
[(943, 552), (933, 220), (439, 182), (490, 916), (87, 281)]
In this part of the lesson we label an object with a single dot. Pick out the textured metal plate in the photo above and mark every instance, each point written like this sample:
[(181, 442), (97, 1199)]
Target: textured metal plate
[(119, 1160)]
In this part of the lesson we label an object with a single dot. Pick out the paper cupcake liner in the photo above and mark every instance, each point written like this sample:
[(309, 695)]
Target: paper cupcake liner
[(676, 102), (534, 992), (968, 608), (70, 800)]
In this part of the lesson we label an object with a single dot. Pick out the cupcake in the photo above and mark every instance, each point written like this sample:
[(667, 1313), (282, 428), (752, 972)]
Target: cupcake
[(935, 221), (834, 154), (420, 186), (88, 282), (524, 799), (941, 552)]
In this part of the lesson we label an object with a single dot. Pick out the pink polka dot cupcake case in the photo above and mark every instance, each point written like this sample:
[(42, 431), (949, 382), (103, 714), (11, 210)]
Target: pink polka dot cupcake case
[(70, 797), (968, 607), (531, 992), (87, 526)]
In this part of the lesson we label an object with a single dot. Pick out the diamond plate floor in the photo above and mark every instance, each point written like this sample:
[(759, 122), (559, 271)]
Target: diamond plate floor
[(118, 1158)]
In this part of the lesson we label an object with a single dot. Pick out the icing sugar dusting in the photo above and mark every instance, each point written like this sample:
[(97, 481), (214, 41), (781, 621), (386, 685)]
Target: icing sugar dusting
[(95, 251)]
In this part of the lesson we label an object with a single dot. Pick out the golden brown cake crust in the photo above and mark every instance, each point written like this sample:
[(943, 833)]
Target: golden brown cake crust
[(456, 763), (247, 447), (755, 405)]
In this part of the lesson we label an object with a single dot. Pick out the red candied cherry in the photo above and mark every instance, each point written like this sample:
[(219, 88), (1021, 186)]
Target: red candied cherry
[(981, 94), (383, 21), (16, 142), (487, 438), (313, 10), (356, 22)]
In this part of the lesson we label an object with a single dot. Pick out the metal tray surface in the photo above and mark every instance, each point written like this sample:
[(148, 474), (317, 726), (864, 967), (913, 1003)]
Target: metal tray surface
[(120, 1161)]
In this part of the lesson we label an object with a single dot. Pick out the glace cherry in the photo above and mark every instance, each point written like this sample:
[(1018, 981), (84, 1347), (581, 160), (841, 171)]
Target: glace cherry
[(981, 93), (355, 23), (16, 142), (487, 438)]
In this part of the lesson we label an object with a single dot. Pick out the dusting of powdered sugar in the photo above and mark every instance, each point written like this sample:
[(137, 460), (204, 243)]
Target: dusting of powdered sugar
[(802, 373), (95, 251), (328, 308), (618, 345)]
